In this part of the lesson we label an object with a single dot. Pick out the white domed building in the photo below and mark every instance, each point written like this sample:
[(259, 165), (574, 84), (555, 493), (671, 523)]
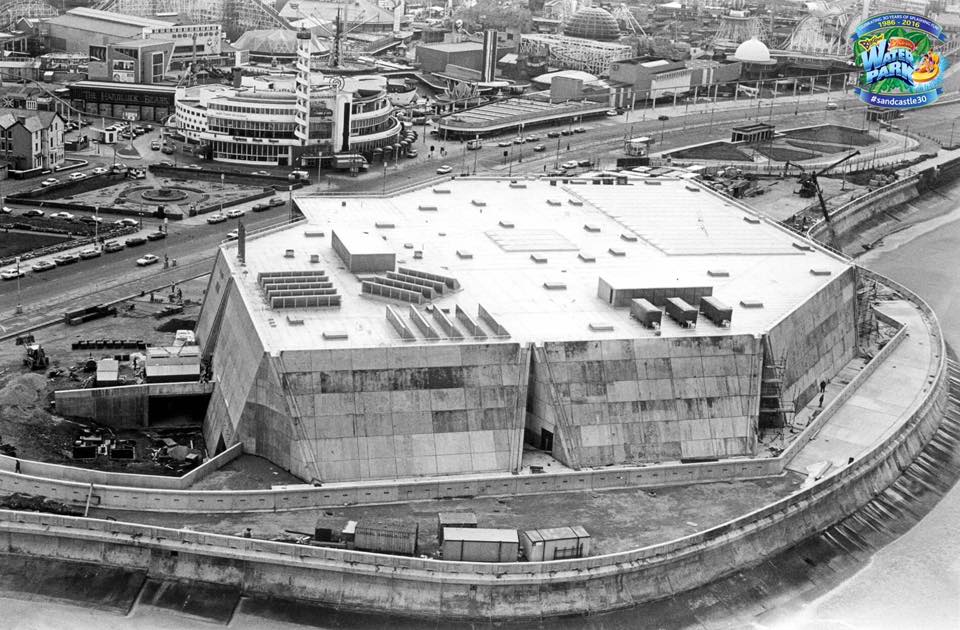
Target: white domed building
[(590, 42), (755, 57)]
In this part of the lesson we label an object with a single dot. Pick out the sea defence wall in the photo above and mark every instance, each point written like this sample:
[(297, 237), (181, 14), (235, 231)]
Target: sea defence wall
[(450, 590)]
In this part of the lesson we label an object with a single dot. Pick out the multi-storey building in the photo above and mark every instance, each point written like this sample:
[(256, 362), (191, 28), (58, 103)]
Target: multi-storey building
[(31, 139)]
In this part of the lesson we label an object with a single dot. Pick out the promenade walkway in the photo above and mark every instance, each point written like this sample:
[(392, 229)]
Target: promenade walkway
[(882, 401)]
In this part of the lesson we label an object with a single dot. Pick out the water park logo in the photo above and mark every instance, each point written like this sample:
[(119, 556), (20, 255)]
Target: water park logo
[(900, 60)]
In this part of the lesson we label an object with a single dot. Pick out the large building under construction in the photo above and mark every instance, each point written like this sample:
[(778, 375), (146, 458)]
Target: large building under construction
[(437, 331)]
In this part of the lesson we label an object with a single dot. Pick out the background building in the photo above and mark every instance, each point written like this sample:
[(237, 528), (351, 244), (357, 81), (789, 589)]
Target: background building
[(31, 139)]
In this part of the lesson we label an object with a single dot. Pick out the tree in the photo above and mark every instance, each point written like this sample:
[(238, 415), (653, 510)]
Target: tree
[(502, 16)]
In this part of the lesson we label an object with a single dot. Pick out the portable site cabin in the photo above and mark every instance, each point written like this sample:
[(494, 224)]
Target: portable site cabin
[(555, 543), (455, 519), (470, 544)]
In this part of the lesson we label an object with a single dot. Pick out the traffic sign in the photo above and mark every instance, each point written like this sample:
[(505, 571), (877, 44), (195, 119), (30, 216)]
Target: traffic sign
[(131, 116)]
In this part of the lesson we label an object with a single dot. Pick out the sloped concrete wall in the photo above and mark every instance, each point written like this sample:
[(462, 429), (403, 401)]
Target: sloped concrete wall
[(817, 339), (375, 413), (644, 400)]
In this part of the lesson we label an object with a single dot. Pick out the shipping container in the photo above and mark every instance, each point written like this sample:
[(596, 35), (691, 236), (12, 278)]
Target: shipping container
[(683, 313), (470, 544), (386, 536), (555, 543), (455, 519), (716, 311), (646, 313)]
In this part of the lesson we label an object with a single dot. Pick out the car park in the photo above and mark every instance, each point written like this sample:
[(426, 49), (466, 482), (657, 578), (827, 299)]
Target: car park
[(216, 218), (443, 170), (233, 235), (43, 265), (235, 213), (13, 274), (33, 212), (569, 165), (66, 259), (147, 259), (156, 236), (100, 170), (133, 241), (90, 252), (112, 246), (539, 148), (66, 216), (49, 182), (76, 176), (276, 201), (260, 207)]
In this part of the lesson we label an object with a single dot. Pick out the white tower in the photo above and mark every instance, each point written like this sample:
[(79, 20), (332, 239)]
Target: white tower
[(302, 130)]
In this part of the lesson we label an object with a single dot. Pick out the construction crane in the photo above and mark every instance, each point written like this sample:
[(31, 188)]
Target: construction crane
[(810, 186)]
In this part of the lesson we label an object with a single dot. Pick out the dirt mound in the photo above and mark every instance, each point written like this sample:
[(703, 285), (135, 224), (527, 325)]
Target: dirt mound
[(175, 324), (22, 395)]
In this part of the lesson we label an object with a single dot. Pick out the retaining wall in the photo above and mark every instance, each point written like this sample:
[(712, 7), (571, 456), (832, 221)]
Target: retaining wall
[(124, 406)]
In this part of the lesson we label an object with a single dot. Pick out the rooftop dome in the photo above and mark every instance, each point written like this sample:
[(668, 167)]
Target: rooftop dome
[(753, 51), (593, 23)]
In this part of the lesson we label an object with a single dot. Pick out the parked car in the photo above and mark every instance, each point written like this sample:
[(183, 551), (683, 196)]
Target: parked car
[(66, 259), (612, 112), (155, 145), (587, 163), (566, 132), (112, 246), (532, 138), (261, 173), (539, 148), (156, 236), (147, 259), (13, 274), (6, 210), (553, 134), (90, 252), (127, 222), (43, 265), (76, 176), (100, 170), (89, 218), (663, 117), (33, 212), (579, 130), (133, 241), (216, 218), (66, 216), (276, 201), (260, 207), (412, 153), (505, 143), (443, 170), (193, 167), (235, 213), (519, 140), (167, 150), (233, 235), (831, 106), (569, 165), (49, 182)]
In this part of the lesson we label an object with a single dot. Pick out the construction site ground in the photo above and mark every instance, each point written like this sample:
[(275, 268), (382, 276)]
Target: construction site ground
[(26, 420)]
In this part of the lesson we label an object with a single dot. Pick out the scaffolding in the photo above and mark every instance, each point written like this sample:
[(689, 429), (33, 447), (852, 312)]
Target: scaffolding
[(236, 16), (574, 53), (13, 10), (775, 412)]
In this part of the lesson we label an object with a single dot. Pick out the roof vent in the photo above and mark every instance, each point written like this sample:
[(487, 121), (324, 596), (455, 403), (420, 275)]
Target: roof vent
[(751, 304), (718, 273), (478, 203), (506, 224), (314, 258), (752, 219), (464, 254), (288, 253), (630, 238), (554, 202), (591, 227), (313, 233), (600, 327), (820, 272), (517, 185), (585, 257), (538, 258), (385, 224), (555, 286), (441, 191), (294, 321), (651, 182), (692, 188), (424, 208), (334, 334), (575, 202), (616, 252), (803, 247), (578, 182), (408, 245)]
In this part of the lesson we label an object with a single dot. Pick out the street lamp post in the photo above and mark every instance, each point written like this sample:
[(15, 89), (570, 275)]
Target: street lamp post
[(949, 145), (19, 305)]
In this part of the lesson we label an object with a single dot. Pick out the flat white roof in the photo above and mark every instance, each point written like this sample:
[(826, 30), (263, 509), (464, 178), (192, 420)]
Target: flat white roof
[(479, 534), (532, 255)]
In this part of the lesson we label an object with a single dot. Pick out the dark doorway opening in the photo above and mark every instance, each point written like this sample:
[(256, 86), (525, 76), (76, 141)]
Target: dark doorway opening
[(546, 440)]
